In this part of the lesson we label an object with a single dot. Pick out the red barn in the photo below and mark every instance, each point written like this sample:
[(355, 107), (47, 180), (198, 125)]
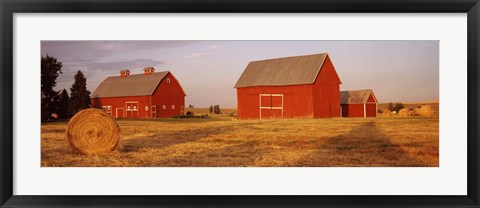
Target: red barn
[(291, 87), (358, 103), (148, 95)]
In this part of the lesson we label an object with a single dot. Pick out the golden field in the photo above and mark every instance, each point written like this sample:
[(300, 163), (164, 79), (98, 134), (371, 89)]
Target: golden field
[(222, 140)]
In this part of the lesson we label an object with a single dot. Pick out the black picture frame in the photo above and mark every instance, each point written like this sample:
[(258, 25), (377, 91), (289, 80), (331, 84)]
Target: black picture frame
[(10, 7)]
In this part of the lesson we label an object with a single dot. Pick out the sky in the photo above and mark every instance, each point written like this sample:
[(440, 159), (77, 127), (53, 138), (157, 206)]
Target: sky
[(397, 71)]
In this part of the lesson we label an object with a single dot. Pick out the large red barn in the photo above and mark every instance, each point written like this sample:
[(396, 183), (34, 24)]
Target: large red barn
[(291, 87), (147, 95), (358, 103)]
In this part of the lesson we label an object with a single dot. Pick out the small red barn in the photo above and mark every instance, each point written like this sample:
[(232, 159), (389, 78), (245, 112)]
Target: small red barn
[(147, 95), (358, 103), (291, 87)]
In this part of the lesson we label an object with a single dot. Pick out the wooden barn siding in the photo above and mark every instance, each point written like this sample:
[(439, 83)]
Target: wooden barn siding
[(370, 99), (119, 102), (298, 101), (352, 110), (357, 110), (169, 94), (371, 109), (326, 92)]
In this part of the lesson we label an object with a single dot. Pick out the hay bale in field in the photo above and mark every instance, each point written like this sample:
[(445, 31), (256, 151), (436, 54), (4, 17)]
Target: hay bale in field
[(92, 131), (404, 112), (426, 111), (416, 111), (387, 113)]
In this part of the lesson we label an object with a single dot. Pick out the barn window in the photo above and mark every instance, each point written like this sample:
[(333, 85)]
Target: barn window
[(128, 107), (168, 80), (134, 107), (164, 107), (107, 108), (173, 106)]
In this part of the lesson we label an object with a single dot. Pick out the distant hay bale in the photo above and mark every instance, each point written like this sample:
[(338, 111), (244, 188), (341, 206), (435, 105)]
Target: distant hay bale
[(387, 113), (416, 111), (426, 111), (92, 131), (404, 112)]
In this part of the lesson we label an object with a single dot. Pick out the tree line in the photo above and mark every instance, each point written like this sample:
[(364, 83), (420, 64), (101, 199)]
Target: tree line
[(60, 102)]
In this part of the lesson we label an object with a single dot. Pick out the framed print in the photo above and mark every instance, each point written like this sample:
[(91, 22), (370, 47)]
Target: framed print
[(245, 104)]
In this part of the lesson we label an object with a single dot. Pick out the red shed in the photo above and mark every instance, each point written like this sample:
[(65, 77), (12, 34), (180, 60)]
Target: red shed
[(291, 87), (358, 103), (148, 95)]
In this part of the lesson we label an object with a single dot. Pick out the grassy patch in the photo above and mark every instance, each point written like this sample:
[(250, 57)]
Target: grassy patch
[(221, 140)]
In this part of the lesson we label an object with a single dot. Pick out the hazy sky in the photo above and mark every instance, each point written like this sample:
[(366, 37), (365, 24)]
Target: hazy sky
[(406, 71)]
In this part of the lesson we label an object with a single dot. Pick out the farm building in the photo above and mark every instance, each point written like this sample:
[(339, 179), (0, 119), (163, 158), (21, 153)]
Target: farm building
[(358, 103), (148, 95), (291, 87)]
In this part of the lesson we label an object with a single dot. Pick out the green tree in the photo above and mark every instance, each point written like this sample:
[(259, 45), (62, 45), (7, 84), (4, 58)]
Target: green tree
[(398, 107), (79, 95), (211, 109), (216, 109), (50, 70), (391, 107), (62, 109)]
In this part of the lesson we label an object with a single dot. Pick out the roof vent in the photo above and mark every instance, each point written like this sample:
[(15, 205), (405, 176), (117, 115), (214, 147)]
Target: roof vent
[(148, 70), (124, 73)]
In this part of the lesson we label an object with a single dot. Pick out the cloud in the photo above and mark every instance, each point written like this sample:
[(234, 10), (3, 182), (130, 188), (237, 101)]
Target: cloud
[(197, 54), (217, 48), (101, 49), (95, 71), (206, 51)]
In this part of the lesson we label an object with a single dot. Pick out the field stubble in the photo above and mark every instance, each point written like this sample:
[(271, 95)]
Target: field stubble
[(222, 141)]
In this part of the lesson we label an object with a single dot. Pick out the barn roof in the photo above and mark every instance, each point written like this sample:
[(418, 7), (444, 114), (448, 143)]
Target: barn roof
[(131, 85), (282, 71), (355, 96)]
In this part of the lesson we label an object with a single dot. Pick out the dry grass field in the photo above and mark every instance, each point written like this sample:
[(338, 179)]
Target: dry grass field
[(223, 140)]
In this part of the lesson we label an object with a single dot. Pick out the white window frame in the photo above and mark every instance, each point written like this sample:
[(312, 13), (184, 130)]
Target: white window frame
[(131, 110), (168, 80), (107, 109), (153, 110), (271, 107)]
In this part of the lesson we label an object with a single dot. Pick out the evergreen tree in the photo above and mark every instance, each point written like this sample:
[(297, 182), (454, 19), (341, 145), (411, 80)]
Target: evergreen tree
[(50, 69), (211, 109), (216, 109), (79, 95), (62, 109)]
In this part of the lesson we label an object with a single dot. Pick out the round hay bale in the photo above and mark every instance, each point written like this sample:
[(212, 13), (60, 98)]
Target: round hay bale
[(426, 111), (387, 113), (404, 112), (416, 111), (92, 131)]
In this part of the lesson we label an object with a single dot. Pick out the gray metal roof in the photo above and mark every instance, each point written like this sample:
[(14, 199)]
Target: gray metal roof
[(355, 96), (282, 71), (131, 85)]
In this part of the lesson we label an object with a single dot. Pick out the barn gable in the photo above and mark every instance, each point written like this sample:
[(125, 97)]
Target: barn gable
[(328, 74), (357, 96), (131, 85), (294, 70)]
